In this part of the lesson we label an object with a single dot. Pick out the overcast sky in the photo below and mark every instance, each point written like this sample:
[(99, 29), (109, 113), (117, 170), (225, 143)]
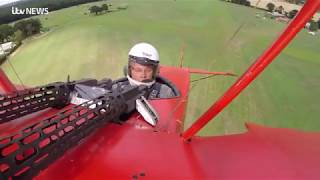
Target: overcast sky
[(2, 2)]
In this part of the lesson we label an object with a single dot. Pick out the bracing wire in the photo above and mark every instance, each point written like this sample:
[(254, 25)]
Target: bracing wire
[(16, 73), (200, 79)]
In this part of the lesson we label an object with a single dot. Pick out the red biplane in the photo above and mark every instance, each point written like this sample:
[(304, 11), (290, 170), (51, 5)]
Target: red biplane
[(134, 149)]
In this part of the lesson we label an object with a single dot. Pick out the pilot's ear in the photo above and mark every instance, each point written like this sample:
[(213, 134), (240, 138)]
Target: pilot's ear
[(125, 70)]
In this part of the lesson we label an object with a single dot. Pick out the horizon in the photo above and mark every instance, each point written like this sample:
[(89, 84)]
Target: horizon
[(4, 2)]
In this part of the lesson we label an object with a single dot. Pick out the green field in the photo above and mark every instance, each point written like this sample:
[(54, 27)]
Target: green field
[(82, 45)]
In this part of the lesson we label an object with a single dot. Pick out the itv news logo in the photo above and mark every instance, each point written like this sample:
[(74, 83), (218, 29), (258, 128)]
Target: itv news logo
[(30, 11)]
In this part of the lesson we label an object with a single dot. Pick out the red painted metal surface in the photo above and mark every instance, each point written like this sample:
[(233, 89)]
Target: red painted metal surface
[(6, 85), (125, 152), (255, 69)]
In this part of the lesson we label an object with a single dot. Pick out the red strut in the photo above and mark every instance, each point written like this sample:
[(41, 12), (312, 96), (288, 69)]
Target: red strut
[(5, 84), (305, 14)]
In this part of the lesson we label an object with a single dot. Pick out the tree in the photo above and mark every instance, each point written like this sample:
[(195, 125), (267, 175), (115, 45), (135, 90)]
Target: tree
[(313, 26), (21, 25), (100, 9), (280, 9), (6, 32), (28, 27), (105, 7), (95, 9), (292, 13), (242, 2), (270, 7), (247, 3), (18, 37), (36, 24), (235, 1)]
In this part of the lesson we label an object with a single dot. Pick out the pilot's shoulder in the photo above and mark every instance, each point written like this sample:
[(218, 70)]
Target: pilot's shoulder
[(120, 83), (166, 91)]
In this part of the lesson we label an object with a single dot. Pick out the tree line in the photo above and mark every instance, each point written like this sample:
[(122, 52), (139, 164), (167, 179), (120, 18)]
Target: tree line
[(20, 30), (99, 9), (272, 8), (295, 1), (6, 15), (313, 25), (16, 33), (241, 2)]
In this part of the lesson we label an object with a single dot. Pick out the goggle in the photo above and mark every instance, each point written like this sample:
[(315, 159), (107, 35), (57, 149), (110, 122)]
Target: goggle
[(143, 60)]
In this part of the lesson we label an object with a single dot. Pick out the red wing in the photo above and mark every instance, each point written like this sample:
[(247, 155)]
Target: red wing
[(117, 151)]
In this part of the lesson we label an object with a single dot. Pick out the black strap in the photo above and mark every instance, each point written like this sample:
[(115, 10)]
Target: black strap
[(154, 91)]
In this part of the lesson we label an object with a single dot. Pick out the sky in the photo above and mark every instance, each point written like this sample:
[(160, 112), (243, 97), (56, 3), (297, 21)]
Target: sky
[(2, 2)]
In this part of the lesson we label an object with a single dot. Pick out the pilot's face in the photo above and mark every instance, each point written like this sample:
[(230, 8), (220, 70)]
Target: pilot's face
[(142, 73)]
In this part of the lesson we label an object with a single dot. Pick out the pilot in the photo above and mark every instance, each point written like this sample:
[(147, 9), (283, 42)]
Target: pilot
[(143, 69)]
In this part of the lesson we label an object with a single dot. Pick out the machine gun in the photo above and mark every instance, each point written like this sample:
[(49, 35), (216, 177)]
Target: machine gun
[(24, 154), (21, 103)]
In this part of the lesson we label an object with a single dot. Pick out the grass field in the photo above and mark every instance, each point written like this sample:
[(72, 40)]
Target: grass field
[(79, 45)]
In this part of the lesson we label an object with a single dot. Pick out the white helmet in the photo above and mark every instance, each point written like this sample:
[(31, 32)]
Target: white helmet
[(145, 54)]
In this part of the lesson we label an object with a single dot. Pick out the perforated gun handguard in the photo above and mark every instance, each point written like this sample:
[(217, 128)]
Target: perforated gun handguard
[(24, 154)]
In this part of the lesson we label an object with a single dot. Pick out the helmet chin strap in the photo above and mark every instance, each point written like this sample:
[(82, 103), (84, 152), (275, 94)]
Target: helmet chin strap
[(138, 83)]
